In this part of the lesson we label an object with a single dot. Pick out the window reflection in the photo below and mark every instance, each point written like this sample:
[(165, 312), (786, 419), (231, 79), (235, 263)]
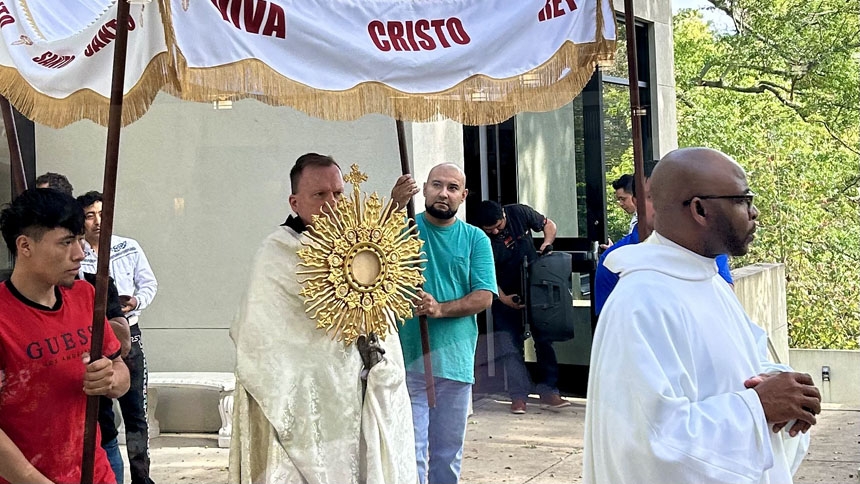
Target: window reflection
[(619, 69), (618, 143), (551, 166)]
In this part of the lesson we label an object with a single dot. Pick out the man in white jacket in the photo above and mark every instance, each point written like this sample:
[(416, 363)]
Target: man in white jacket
[(680, 388)]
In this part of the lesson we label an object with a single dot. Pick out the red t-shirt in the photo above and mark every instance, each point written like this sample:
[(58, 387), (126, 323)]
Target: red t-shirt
[(42, 402)]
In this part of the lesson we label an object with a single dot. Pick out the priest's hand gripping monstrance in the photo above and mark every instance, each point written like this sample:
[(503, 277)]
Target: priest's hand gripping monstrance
[(362, 267)]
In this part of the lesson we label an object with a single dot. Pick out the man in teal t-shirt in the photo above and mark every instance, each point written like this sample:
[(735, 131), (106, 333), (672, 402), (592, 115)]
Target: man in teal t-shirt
[(460, 282)]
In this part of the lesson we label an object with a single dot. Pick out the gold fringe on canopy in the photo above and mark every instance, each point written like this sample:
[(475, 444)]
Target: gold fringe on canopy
[(86, 103), (477, 100)]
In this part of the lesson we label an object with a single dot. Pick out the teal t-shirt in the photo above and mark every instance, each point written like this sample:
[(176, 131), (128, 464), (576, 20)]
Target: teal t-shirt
[(459, 261)]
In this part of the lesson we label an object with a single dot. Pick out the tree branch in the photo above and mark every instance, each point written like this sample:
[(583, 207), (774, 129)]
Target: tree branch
[(762, 86), (683, 99), (834, 136), (765, 86), (741, 26)]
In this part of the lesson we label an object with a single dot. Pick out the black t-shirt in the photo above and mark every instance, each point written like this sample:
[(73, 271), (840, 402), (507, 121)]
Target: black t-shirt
[(113, 310), (114, 307), (514, 243)]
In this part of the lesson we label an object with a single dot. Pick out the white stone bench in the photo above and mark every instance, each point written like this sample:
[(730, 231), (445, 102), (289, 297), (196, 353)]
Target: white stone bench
[(224, 383)]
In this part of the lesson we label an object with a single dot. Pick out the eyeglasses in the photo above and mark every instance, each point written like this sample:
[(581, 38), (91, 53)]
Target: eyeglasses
[(747, 197)]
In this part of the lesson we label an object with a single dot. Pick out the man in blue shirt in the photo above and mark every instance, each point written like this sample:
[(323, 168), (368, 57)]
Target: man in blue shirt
[(460, 282), (605, 280)]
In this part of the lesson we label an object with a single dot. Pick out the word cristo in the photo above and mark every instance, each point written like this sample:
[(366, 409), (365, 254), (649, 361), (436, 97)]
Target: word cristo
[(414, 35)]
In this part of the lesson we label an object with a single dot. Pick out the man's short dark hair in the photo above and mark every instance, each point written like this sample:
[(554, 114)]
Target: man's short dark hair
[(37, 211), (624, 182), (648, 169), (89, 198), (489, 213), (57, 182), (306, 160)]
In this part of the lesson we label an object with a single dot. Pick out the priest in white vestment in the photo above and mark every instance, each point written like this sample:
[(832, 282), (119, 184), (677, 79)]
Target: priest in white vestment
[(300, 414), (677, 390)]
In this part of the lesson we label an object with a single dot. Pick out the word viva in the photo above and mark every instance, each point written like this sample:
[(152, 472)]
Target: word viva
[(248, 15)]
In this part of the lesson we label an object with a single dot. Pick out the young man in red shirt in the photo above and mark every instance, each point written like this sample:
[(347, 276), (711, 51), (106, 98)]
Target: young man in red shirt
[(45, 332)]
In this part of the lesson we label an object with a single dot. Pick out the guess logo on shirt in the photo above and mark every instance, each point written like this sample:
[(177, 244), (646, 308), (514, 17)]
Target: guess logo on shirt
[(69, 345)]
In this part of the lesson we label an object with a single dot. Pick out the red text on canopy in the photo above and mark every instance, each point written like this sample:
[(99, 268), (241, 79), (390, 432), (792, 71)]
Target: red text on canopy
[(6, 18), (53, 61), (105, 36), (554, 9), (413, 35), (249, 15)]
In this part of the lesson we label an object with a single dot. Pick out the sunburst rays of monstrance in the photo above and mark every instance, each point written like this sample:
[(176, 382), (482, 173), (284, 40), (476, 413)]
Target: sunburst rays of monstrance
[(362, 266)]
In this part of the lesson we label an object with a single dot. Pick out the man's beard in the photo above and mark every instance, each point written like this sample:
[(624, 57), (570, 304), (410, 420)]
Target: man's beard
[(440, 214), (734, 244)]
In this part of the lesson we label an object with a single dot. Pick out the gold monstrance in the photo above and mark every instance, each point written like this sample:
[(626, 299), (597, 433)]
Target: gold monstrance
[(362, 267)]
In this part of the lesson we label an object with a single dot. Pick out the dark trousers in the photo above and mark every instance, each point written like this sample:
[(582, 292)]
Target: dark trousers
[(133, 407), (107, 426), (508, 331)]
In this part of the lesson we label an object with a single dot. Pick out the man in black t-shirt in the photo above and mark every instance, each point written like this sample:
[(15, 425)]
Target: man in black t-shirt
[(510, 230)]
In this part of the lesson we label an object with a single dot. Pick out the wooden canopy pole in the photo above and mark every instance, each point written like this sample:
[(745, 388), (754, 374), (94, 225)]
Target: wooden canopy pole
[(109, 197), (636, 113), (422, 320), (19, 180)]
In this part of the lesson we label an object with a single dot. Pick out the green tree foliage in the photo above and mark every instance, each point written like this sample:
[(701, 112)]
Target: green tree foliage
[(803, 54), (618, 137), (781, 94)]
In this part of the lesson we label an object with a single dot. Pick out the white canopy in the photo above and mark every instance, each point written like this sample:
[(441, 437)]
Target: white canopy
[(474, 61)]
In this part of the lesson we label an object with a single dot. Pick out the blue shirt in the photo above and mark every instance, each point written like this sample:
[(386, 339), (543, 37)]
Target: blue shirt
[(459, 262), (605, 280)]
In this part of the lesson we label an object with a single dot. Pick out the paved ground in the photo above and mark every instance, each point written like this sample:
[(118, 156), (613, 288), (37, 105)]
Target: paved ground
[(834, 454), (541, 447)]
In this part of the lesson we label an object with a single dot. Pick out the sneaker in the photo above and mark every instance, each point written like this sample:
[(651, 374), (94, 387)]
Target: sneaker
[(518, 407), (553, 401)]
